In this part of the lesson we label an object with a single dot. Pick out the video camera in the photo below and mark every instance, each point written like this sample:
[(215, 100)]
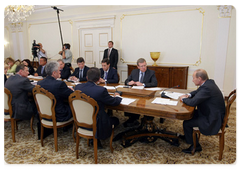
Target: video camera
[(35, 47)]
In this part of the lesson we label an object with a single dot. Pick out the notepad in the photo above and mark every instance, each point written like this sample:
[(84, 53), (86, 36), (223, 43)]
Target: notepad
[(162, 101), (153, 88), (127, 101), (138, 87), (173, 95), (110, 87)]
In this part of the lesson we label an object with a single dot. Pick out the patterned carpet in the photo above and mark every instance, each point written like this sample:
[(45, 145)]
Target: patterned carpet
[(27, 149)]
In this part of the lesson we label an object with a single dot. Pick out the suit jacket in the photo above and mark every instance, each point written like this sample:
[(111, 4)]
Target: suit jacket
[(65, 72), (100, 94), (112, 76), (61, 92), (149, 79), (19, 87), (113, 57), (39, 69), (76, 73), (210, 107)]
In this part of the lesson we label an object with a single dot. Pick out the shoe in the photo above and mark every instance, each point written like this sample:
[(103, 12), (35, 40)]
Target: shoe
[(98, 143), (161, 120), (130, 123), (182, 137), (189, 150)]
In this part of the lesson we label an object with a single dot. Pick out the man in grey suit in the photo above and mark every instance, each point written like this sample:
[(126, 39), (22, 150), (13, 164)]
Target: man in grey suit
[(19, 85), (210, 110), (140, 77)]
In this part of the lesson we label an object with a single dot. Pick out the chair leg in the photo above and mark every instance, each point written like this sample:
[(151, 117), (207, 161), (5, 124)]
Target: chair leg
[(111, 139), (194, 143), (77, 145), (88, 142), (31, 124), (42, 132), (55, 139), (13, 129), (221, 146), (73, 131), (95, 149)]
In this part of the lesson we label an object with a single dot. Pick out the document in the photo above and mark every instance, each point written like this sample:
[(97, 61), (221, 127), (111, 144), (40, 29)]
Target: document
[(173, 95), (110, 87), (159, 100), (138, 87), (153, 88), (35, 77), (127, 101), (119, 86)]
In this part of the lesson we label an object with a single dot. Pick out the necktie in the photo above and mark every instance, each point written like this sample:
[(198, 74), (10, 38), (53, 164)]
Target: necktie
[(109, 52), (105, 75), (80, 74), (141, 79), (42, 69)]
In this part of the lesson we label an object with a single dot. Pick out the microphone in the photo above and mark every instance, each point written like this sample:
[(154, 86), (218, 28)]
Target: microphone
[(56, 8), (163, 94)]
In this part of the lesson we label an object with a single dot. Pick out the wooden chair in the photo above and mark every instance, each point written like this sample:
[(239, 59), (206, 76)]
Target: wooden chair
[(46, 102), (85, 110), (230, 99), (8, 109)]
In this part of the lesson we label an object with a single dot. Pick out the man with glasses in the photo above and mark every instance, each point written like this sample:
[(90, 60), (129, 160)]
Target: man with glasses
[(140, 77)]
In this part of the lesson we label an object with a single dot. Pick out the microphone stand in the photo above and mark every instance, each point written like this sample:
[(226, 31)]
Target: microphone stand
[(57, 9)]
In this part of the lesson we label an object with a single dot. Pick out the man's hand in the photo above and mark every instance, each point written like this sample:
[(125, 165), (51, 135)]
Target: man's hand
[(183, 96), (138, 83), (102, 80), (131, 83)]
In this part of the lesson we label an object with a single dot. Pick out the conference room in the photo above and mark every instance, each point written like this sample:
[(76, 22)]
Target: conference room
[(120, 84)]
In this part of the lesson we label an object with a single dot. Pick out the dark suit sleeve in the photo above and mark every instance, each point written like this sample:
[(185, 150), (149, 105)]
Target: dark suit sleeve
[(75, 73), (202, 94), (152, 81), (65, 73), (133, 76), (64, 91), (109, 100), (84, 74), (105, 53), (115, 59), (113, 76), (27, 86)]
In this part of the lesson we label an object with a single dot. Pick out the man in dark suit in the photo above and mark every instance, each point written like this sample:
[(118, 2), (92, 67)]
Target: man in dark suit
[(41, 69), (64, 70), (112, 54), (140, 77), (100, 94), (19, 85), (59, 89), (80, 73), (210, 108), (108, 74)]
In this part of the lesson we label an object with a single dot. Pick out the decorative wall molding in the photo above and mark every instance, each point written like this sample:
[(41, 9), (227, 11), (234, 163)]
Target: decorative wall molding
[(225, 11)]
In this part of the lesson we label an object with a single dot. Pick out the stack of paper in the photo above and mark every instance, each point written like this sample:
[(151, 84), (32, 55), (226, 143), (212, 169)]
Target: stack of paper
[(35, 77), (127, 101), (173, 95), (110, 87), (153, 88), (159, 100), (138, 87)]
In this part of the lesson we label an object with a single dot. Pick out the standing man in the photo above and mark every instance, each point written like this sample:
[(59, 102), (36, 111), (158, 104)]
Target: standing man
[(64, 70), (59, 89), (41, 52), (140, 77), (19, 85), (66, 54), (80, 72), (108, 74), (41, 69), (112, 54), (100, 94), (210, 108)]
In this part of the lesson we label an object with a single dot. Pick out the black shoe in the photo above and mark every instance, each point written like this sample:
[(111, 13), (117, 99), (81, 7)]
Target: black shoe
[(161, 120), (189, 150), (182, 137), (130, 123)]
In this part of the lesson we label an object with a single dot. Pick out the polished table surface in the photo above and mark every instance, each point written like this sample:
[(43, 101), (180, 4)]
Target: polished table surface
[(142, 105)]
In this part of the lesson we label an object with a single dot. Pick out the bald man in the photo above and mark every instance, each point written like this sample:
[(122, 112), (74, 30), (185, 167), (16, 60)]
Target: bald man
[(209, 111)]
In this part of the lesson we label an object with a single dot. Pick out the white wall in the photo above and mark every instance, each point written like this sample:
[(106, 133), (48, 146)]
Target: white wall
[(42, 25)]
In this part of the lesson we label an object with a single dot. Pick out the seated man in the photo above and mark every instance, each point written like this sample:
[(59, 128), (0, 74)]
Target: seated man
[(19, 85), (140, 77), (100, 94), (108, 74), (80, 72), (210, 108), (41, 69), (59, 89), (64, 70)]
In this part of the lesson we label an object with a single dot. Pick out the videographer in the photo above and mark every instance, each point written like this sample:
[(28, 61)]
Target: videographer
[(38, 51), (66, 54)]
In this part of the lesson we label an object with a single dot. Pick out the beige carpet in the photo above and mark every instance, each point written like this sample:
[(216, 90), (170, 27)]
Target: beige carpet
[(27, 149)]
